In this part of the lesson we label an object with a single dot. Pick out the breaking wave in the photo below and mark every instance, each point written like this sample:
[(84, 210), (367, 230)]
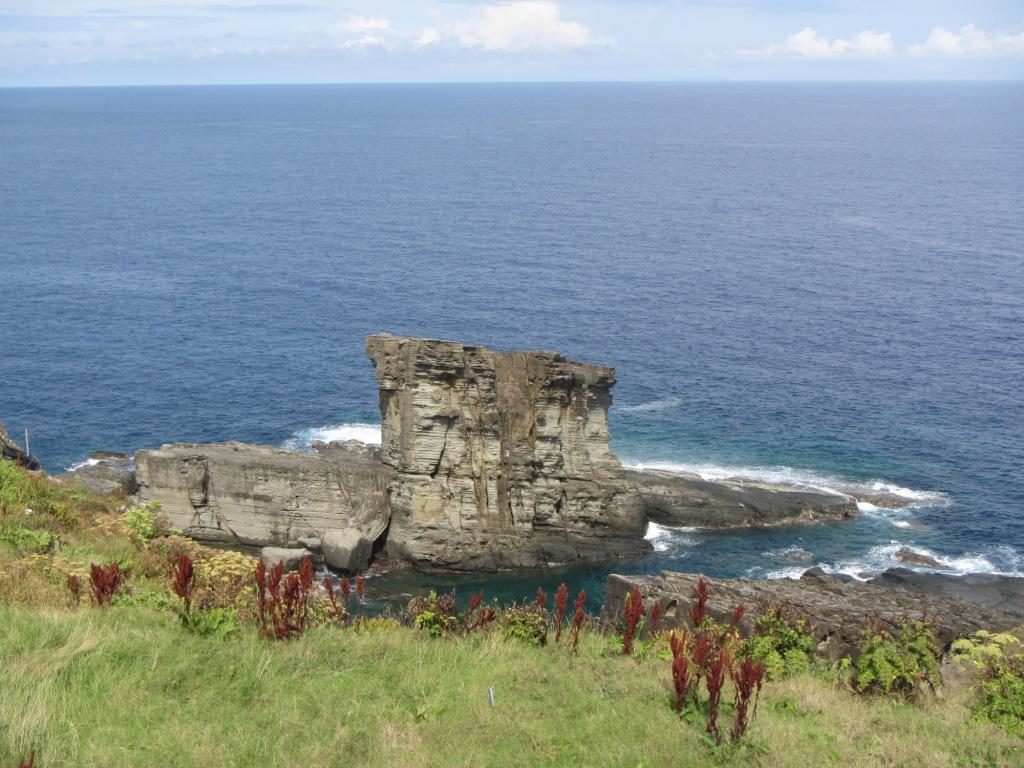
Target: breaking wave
[(662, 404), (303, 439), (666, 538)]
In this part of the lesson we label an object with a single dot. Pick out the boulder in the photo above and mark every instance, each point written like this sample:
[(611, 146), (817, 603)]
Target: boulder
[(686, 500), (911, 557), (292, 558), (838, 609), (104, 472), (501, 460), (346, 550), (250, 495)]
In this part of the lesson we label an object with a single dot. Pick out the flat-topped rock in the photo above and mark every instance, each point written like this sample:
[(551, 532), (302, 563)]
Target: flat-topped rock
[(250, 495), (502, 460), (687, 500)]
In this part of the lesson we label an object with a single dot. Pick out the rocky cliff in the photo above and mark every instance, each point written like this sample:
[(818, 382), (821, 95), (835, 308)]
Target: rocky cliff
[(257, 496), (501, 460)]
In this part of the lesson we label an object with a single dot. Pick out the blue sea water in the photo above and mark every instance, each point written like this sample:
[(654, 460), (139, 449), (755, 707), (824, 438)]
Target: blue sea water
[(823, 283)]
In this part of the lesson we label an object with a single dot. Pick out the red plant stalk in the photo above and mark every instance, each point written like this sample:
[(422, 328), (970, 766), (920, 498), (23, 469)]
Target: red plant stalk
[(655, 618), (714, 678), (561, 603), (634, 611), (184, 583), (699, 611), (542, 598), (75, 587), (263, 608), (30, 762), (737, 616), (579, 614), (701, 653), (104, 582), (360, 587), (683, 678), (747, 679), (346, 589), (478, 617)]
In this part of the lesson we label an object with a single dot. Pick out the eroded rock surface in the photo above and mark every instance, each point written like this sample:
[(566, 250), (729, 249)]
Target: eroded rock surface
[(502, 460), (838, 609), (678, 499), (259, 496)]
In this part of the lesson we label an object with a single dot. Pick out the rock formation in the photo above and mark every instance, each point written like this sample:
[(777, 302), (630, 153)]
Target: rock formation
[(11, 451), (838, 608), (104, 473), (258, 496), (687, 500), (502, 460)]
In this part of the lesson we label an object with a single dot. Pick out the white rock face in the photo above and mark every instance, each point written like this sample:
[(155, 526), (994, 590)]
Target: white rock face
[(258, 496), (502, 459)]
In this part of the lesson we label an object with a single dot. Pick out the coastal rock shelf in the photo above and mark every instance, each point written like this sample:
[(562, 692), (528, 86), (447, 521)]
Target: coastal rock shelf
[(838, 608), (489, 460)]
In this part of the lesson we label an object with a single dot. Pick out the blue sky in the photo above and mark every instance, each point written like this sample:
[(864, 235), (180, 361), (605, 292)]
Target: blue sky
[(103, 42)]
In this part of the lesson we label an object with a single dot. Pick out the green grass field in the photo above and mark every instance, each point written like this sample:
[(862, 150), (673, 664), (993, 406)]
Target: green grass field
[(129, 687)]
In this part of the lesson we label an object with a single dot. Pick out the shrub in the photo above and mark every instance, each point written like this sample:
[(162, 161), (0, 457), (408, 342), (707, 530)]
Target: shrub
[(634, 611), (378, 624), (561, 603), (215, 622), (784, 645), (283, 600), (579, 614), (478, 616), (434, 614), (527, 623), (899, 665), (27, 540), (223, 580), (142, 522), (1000, 686), (104, 582)]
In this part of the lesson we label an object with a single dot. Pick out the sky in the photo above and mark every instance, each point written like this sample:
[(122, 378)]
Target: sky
[(136, 42)]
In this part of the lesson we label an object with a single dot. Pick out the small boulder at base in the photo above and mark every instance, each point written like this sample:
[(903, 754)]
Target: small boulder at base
[(910, 557), (312, 543), (346, 549), (292, 558)]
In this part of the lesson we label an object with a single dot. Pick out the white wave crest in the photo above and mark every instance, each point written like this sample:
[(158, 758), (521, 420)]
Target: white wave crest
[(82, 465), (661, 404), (665, 538), (801, 478), (303, 439)]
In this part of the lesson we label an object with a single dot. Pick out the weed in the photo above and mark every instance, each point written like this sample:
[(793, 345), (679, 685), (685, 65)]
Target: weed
[(527, 623), (561, 603), (579, 614), (283, 600), (900, 665), (634, 611), (184, 584), (104, 581), (785, 646)]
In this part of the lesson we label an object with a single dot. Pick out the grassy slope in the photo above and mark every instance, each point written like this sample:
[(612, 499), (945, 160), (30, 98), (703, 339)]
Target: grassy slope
[(129, 687)]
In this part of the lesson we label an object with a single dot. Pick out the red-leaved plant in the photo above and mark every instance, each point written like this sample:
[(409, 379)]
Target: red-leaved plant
[(747, 678), (542, 598), (634, 611), (184, 583), (104, 581), (283, 600), (478, 616), (579, 615), (29, 762), (339, 608), (699, 611), (561, 603), (714, 679), (75, 588), (655, 618), (684, 680)]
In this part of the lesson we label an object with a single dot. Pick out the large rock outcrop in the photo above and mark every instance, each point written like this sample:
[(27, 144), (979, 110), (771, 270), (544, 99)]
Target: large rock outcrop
[(11, 451), (259, 496), (838, 609), (672, 498), (502, 460)]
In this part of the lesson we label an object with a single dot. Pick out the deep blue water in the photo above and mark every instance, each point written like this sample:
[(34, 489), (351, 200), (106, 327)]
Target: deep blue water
[(825, 278)]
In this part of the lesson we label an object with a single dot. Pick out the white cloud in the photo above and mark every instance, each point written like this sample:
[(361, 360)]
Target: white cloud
[(969, 41), (517, 26), (808, 44), (365, 24)]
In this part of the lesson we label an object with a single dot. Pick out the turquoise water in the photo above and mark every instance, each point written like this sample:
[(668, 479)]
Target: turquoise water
[(823, 283)]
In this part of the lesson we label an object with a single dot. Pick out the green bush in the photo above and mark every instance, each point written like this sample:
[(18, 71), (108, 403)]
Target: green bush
[(27, 540), (898, 665), (527, 623), (1000, 687), (142, 522), (784, 646), (434, 614), (215, 622)]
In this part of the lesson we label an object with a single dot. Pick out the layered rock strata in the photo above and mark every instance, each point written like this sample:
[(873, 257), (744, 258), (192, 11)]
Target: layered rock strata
[(501, 460), (688, 500), (838, 609), (240, 494)]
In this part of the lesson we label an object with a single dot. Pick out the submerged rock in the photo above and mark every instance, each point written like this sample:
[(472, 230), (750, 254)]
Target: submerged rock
[(839, 609), (687, 500), (502, 460), (251, 495), (911, 557)]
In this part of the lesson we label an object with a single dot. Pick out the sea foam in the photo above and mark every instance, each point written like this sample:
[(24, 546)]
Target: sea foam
[(303, 439)]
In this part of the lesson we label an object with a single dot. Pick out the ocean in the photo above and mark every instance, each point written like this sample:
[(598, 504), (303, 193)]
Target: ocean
[(818, 283)]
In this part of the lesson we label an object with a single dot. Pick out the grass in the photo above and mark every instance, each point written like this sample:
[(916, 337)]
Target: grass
[(130, 687)]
